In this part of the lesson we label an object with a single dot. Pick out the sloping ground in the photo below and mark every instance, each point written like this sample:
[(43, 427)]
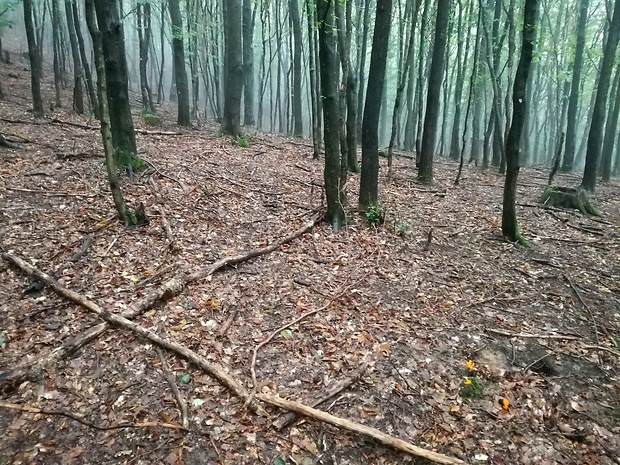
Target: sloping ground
[(540, 324)]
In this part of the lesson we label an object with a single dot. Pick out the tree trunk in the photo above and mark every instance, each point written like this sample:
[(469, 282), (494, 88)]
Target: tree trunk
[(612, 129), (180, 73), (78, 92), (113, 43), (248, 63), (361, 69), (56, 47), (510, 227), (314, 85), (35, 61), (595, 135), (106, 133), (369, 182), (143, 16), (90, 85), (573, 103), (233, 63), (425, 173), (298, 128), (329, 90)]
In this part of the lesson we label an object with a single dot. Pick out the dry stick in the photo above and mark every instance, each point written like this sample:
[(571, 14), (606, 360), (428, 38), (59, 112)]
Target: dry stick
[(223, 377), (282, 328), (164, 220), (337, 388), (82, 250), (532, 336), (170, 288), (62, 413), (214, 370), (228, 322), (358, 428), (50, 193), (161, 272), (586, 306), (175, 389)]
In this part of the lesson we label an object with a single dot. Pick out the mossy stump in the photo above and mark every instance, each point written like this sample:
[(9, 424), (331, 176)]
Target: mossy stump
[(569, 197)]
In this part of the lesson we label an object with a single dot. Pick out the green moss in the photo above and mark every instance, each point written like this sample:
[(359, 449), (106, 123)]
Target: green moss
[(130, 161), (151, 119), (568, 197), (243, 142)]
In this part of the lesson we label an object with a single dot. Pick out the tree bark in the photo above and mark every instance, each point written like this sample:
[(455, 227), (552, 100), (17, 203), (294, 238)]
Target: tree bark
[(92, 93), (298, 129), (180, 73), (329, 90), (35, 61), (510, 227), (425, 173), (248, 63), (595, 135), (369, 182), (233, 64), (78, 88)]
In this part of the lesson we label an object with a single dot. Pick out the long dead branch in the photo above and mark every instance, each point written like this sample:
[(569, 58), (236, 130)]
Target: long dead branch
[(374, 433), (170, 288), (224, 378)]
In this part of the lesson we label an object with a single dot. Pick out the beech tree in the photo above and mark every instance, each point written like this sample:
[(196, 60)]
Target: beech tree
[(35, 61), (510, 227), (180, 73), (425, 173), (233, 63), (369, 182)]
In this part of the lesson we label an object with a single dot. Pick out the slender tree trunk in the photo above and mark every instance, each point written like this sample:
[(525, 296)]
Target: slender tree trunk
[(329, 91), (35, 61), (56, 46), (612, 128), (233, 60), (248, 63), (298, 128), (106, 132), (314, 81), (595, 134), (143, 16), (369, 182), (180, 73), (90, 85), (510, 227), (361, 71), (78, 92), (425, 173)]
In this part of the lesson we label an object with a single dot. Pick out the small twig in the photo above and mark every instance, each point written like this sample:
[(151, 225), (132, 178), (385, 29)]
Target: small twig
[(227, 323), (278, 331), (536, 361), (109, 247), (62, 413), (50, 193), (175, 389), (161, 272)]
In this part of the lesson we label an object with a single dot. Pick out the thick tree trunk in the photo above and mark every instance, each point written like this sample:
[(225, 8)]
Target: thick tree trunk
[(369, 182), (510, 228), (611, 129), (180, 73), (425, 173), (595, 135)]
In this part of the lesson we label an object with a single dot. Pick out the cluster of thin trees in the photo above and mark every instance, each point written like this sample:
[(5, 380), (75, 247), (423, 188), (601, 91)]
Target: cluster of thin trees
[(425, 76)]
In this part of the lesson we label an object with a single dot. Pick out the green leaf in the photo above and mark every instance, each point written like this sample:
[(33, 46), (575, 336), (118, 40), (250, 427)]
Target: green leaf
[(279, 461), (184, 378), (197, 402), (287, 334), (2, 339)]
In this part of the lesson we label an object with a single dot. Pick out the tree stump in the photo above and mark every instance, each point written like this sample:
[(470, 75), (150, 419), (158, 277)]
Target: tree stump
[(569, 197)]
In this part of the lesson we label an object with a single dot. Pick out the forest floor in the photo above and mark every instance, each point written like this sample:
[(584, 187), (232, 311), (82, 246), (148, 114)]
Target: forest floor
[(541, 324)]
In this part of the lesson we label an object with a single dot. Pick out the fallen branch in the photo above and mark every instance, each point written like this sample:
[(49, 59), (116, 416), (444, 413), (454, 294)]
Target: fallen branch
[(337, 388), (228, 322), (82, 250), (72, 416), (374, 433), (175, 389), (227, 380), (172, 287), (533, 336)]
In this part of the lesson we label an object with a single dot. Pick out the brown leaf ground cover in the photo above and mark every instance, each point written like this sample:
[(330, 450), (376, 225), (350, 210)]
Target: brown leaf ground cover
[(541, 324)]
